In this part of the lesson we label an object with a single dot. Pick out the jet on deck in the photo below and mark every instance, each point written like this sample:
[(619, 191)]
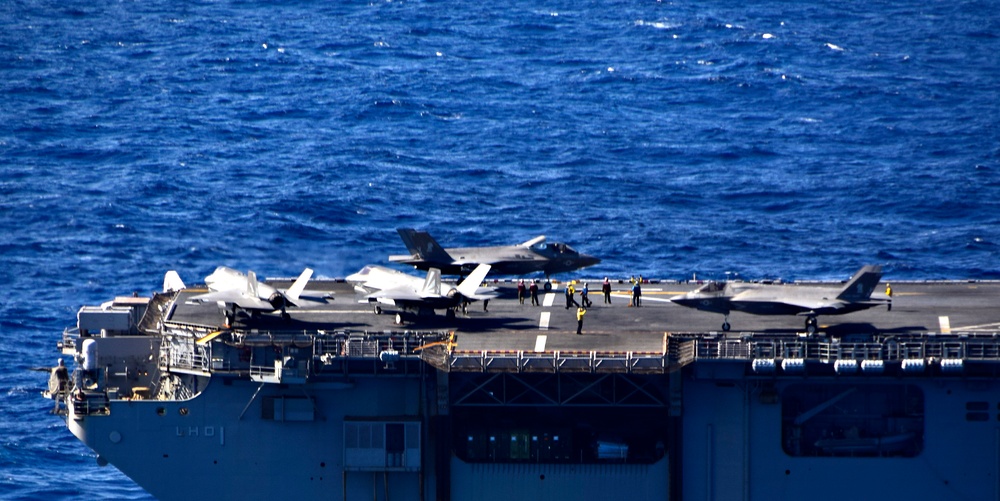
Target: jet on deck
[(384, 286), (234, 290), (532, 256), (770, 299)]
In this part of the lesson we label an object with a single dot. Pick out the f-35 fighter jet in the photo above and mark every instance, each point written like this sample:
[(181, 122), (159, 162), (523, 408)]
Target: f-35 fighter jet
[(385, 286), (529, 257), (234, 290), (779, 299)]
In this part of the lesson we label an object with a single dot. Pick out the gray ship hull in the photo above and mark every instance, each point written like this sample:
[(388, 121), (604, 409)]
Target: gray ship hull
[(739, 445), (495, 406)]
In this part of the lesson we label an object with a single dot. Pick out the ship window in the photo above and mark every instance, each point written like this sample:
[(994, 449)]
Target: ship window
[(381, 446), (394, 437), (838, 420), (977, 406)]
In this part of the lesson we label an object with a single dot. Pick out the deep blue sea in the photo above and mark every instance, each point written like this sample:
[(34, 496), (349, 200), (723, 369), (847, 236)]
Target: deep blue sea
[(772, 138)]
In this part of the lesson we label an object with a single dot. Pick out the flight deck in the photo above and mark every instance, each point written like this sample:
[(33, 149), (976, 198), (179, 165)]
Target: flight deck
[(932, 311)]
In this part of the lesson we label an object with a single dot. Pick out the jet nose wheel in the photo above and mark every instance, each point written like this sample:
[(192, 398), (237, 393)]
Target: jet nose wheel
[(378, 310), (725, 326), (811, 325), (399, 319)]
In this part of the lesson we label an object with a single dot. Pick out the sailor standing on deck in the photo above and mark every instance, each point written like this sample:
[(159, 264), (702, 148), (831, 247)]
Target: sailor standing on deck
[(606, 289), (580, 312), (58, 384), (533, 289), (520, 291), (585, 296), (636, 294)]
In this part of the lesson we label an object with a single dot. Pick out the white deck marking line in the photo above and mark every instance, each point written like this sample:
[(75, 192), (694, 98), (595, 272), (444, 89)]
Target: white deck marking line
[(642, 298), (549, 298), (945, 325), (982, 327), (543, 321), (326, 312), (540, 343)]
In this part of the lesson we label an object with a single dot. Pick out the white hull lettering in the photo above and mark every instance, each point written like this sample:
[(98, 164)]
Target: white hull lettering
[(202, 431)]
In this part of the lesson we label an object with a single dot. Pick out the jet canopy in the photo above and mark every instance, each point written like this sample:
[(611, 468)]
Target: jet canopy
[(711, 287), (367, 270), (554, 247)]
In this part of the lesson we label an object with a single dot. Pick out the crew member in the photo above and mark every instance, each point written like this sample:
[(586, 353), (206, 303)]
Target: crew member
[(606, 289), (585, 296), (58, 384), (570, 292), (580, 312), (533, 290), (888, 292), (520, 291)]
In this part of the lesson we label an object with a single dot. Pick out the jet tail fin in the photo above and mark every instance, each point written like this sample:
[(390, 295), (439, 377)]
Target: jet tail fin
[(432, 284), (251, 284), (172, 282), (423, 245), (468, 286), (862, 284), (299, 285)]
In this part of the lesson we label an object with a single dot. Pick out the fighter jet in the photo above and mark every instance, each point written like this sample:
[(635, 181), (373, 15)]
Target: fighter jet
[(777, 299), (385, 286), (233, 290), (529, 257)]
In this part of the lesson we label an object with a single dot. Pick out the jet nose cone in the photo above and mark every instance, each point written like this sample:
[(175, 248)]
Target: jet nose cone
[(587, 260)]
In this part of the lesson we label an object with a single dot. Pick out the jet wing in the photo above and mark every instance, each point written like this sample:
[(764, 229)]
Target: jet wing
[(789, 305), (484, 293), (470, 285), (397, 294), (408, 298), (234, 297)]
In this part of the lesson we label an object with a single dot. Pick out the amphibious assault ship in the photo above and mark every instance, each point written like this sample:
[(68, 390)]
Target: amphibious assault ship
[(647, 402)]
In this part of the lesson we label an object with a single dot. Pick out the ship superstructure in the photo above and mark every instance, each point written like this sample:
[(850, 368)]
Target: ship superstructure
[(339, 403)]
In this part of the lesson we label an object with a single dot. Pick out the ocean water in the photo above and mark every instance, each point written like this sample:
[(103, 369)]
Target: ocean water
[(773, 138)]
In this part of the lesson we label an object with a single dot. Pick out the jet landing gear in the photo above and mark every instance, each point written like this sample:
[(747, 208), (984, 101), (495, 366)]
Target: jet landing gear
[(725, 324), (399, 315), (811, 324)]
